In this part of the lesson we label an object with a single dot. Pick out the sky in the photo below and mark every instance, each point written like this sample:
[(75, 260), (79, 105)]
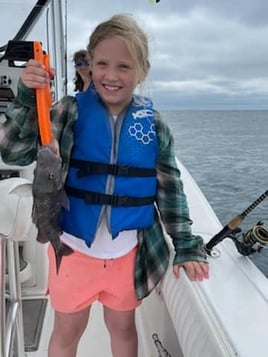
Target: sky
[(204, 54)]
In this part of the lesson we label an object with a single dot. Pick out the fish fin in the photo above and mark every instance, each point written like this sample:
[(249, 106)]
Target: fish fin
[(64, 250), (34, 213), (41, 238), (58, 257), (23, 190)]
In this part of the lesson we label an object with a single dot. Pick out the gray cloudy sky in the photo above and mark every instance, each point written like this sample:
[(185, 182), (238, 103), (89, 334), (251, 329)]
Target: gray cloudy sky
[(208, 54)]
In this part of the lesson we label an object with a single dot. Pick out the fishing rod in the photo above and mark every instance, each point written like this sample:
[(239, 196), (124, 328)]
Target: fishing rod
[(233, 224)]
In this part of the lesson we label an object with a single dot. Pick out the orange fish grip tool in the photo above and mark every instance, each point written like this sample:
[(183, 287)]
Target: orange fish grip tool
[(17, 53), (43, 98)]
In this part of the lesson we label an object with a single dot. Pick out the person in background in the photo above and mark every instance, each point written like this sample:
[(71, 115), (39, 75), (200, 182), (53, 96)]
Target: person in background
[(82, 70), (114, 222)]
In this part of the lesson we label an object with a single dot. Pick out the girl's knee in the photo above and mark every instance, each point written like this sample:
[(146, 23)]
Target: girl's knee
[(71, 333), (70, 327), (120, 323)]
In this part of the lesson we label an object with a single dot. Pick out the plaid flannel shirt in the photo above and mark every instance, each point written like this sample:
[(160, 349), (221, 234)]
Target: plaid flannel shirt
[(19, 147)]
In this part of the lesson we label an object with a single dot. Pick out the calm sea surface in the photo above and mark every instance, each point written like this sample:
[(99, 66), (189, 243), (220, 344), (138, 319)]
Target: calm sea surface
[(227, 154)]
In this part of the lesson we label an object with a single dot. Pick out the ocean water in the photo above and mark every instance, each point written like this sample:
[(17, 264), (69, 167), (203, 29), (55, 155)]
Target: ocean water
[(227, 154)]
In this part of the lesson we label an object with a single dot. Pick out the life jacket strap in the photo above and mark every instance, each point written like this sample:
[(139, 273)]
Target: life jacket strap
[(92, 197), (92, 167)]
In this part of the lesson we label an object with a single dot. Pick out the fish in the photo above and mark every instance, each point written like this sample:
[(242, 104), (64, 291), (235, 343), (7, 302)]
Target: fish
[(49, 198)]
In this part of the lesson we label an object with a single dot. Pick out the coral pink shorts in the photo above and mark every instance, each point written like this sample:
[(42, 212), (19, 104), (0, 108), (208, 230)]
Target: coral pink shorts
[(82, 280)]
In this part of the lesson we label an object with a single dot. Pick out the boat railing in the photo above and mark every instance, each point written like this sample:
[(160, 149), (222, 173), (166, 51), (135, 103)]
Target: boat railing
[(12, 333), (15, 221)]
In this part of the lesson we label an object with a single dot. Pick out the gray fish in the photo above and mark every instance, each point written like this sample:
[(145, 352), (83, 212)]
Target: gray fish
[(48, 199)]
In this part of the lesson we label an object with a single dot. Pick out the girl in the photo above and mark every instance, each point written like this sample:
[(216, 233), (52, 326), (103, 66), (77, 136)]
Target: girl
[(120, 177), (82, 70)]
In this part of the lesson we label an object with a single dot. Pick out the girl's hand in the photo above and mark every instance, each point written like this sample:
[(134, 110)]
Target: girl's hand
[(34, 75), (196, 271)]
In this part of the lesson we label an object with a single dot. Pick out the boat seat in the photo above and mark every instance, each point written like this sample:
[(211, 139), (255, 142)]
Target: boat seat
[(15, 208)]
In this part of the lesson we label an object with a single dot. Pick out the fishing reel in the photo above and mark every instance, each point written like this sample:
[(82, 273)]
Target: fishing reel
[(254, 240)]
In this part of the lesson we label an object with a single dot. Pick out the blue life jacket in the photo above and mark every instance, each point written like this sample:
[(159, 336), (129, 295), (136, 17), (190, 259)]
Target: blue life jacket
[(112, 168)]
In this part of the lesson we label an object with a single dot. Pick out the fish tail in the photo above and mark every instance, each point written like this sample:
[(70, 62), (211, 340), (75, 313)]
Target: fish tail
[(64, 250), (58, 261)]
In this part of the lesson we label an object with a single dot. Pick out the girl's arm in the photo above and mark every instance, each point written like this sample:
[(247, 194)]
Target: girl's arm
[(172, 201), (20, 132)]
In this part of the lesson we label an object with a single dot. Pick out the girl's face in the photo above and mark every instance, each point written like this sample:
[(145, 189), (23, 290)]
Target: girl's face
[(82, 67), (113, 73)]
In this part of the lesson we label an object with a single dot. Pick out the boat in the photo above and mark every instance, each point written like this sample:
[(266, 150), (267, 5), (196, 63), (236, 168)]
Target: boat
[(225, 316)]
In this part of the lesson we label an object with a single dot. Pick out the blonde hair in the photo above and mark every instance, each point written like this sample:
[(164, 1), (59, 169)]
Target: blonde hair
[(126, 28)]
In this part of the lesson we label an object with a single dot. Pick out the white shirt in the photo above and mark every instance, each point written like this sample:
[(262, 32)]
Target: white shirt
[(103, 246)]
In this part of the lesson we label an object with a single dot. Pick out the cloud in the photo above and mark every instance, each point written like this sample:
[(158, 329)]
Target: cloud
[(212, 53), (202, 52)]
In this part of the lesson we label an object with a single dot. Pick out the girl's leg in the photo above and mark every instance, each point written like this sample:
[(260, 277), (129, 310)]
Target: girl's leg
[(68, 328), (122, 328)]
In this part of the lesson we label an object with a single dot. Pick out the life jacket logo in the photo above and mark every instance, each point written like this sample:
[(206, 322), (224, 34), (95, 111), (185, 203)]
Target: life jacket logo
[(142, 113), (139, 133)]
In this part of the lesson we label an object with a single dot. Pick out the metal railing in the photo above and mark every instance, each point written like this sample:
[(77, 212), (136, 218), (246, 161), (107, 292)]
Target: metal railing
[(11, 320)]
